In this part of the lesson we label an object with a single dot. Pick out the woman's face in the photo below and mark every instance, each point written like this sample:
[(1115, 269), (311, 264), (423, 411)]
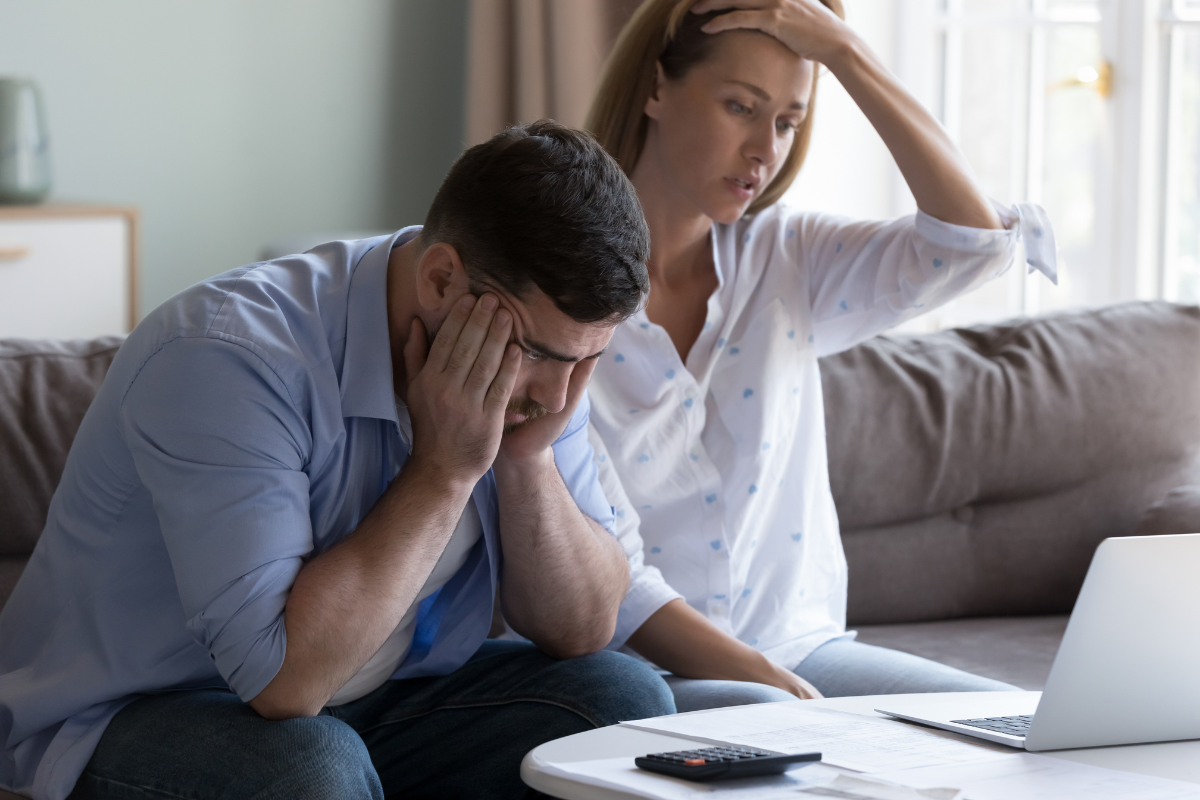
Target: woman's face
[(721, 133)]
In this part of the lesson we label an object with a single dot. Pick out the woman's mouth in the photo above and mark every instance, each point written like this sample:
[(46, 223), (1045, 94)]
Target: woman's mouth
[(742, 188)]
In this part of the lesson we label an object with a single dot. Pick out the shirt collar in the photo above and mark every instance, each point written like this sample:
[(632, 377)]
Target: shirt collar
[(367, 366)]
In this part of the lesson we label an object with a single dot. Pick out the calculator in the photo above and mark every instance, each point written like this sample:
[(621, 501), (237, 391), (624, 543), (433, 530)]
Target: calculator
[(722, 763)]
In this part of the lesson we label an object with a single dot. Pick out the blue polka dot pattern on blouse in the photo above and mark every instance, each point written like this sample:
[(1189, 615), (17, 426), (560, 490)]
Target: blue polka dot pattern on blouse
[(619, 358), (710, 498), (791, 334), (620, 512), (810, 338), (766, 445), (747, 239), (791, 233), (688, 403), (721, 342), (843, 305), (645, 325), (937, 263), (715, 544), (733, 351), (746, 592), (670, 374), (796, 536), (753, 488), (718, 597), (603, 458), (643, 458), (747, 393), (838, 249), (655, 550)]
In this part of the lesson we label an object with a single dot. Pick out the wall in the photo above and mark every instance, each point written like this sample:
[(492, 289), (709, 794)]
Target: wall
[(232, 123)]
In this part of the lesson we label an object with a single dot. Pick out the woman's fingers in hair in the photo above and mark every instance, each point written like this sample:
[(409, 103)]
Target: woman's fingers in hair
[(705, 6), (490, 358), (447, 335), (498, 394)]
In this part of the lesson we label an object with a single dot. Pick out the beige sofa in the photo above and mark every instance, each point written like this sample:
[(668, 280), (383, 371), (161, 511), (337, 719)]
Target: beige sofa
[(974, 470)]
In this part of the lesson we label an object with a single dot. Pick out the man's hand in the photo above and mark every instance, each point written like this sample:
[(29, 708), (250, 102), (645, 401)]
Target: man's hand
[(457, 393), (534, 437)]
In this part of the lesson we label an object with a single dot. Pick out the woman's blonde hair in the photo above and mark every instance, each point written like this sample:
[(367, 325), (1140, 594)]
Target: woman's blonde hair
[(617, 117)]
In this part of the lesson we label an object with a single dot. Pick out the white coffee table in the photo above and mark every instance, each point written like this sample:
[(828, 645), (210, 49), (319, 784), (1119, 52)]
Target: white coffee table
[(1177, 760)]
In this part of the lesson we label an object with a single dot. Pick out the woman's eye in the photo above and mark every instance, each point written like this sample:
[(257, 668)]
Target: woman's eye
[(738, 108), (785, 126)]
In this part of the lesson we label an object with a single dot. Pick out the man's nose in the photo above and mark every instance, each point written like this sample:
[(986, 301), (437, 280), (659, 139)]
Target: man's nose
[(549, 386)]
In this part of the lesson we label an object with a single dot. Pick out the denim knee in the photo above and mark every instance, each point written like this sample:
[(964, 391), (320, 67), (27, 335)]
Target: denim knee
[(616, 687), (321, 758)]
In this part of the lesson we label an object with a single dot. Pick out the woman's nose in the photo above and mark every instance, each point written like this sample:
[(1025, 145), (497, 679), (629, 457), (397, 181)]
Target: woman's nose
[(763, 145)]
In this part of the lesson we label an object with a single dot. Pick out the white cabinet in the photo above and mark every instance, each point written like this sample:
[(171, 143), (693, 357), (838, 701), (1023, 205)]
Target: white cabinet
[(67, 272)]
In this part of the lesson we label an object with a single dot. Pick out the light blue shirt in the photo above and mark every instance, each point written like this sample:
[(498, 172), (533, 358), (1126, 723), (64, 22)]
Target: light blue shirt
[(246, 425)]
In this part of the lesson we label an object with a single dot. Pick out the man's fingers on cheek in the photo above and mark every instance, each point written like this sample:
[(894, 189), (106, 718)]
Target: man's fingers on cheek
[(506, 378)]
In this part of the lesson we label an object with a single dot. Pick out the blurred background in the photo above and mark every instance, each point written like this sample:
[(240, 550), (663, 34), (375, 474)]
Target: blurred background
[(235, 126)]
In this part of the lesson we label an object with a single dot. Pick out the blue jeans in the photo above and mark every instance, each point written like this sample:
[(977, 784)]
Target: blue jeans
[(458, 735), (840, 668)]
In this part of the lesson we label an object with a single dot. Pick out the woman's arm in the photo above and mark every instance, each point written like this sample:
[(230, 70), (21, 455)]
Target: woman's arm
[(680, 639), (935, 169)]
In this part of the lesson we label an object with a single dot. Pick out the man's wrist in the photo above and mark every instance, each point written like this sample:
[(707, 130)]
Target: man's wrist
[(419, 473), (524, 470)]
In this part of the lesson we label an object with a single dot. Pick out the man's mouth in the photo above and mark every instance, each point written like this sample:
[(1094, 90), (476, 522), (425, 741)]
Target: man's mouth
[(520, 411)]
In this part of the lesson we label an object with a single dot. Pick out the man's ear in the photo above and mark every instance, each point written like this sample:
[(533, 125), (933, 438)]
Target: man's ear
[(653, 108), (441, 281)]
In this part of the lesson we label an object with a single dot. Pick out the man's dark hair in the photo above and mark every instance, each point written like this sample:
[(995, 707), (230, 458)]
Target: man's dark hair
[(543, 205)]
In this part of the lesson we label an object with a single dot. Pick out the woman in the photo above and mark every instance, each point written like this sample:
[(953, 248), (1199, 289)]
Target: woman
[(707, 409)]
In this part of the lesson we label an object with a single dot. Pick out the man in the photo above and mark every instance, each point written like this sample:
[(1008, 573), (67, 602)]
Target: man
[(269, 568)]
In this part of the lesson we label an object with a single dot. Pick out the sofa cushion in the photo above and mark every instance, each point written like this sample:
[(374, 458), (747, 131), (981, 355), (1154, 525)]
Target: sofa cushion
[(976, 470), (45, 389), (1016, 650), (1178, 512)]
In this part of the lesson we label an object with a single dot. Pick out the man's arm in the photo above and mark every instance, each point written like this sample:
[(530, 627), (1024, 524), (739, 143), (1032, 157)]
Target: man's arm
[(347, 601), (564, 574)]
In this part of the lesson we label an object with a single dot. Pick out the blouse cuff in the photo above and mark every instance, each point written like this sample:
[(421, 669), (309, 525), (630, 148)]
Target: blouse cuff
[(1033, 226), (648, 592)]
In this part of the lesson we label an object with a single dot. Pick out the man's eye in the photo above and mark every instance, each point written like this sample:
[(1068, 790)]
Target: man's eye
[(533, 355)]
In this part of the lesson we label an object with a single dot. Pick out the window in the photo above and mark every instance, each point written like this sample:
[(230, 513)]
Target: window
[(1088, 107)]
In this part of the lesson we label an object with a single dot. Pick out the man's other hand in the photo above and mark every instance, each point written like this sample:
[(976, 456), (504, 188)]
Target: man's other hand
[(532, 439), (459, 388)]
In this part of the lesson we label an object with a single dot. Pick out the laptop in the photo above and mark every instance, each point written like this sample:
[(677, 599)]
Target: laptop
[(1128, 668)]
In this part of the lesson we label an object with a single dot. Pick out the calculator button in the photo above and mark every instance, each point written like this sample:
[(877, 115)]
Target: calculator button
[(694, 762)]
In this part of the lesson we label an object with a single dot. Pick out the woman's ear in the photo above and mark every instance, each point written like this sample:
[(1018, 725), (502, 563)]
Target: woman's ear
[(653, 107), (441, 281)]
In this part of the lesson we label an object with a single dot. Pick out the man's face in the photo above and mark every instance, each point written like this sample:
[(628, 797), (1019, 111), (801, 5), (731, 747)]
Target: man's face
[(552, 344)]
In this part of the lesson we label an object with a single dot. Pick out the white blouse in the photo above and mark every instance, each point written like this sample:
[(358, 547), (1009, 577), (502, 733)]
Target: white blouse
[(716, 468)]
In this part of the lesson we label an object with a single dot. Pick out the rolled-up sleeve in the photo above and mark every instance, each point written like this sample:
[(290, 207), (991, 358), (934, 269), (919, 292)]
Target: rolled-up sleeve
[(220, 446), (648, 590), (868, 276), (573, 457)]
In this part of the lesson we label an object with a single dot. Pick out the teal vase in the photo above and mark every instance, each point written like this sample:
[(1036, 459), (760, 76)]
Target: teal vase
[(24, 143)]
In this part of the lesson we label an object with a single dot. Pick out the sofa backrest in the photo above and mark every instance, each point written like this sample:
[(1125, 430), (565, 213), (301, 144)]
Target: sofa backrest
[(976, 470), (45, 389)]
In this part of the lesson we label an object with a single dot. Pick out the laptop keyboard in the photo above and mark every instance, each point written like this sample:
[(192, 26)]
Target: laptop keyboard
[(1013, 726)]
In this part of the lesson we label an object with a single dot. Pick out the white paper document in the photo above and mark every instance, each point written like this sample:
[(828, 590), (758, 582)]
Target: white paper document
[(809, 782), (1033, 777), (852, 741)]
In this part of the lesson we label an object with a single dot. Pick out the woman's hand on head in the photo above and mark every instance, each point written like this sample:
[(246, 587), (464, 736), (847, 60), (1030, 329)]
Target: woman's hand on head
[(807, 27)]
